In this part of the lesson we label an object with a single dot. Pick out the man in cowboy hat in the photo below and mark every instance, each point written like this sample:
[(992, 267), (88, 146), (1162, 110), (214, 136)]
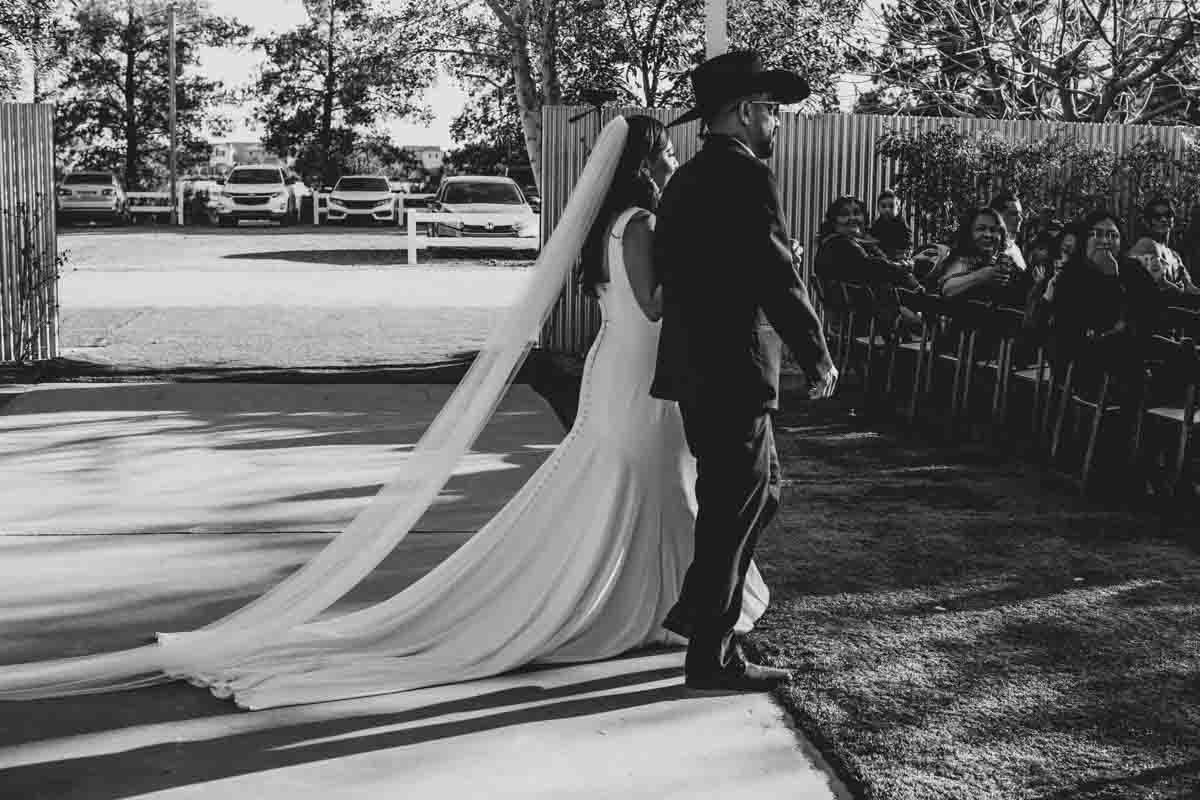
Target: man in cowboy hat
[(724, 257)]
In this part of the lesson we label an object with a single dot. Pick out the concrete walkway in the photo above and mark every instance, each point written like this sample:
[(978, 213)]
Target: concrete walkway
[(189, 499)]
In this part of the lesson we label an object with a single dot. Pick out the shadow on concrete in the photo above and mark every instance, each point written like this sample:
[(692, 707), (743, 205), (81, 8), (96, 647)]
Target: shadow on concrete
[(397, 257), (76, 370), (189, 754), (193, 545), (555, 377)]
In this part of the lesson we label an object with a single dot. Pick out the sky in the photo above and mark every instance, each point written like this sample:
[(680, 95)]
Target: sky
[(236, 68)]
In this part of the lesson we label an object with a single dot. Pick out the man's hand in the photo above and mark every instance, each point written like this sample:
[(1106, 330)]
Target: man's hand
[(822, 381)]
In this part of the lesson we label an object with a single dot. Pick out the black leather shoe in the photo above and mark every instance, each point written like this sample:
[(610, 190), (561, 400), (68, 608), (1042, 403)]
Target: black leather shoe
[(741, 676)]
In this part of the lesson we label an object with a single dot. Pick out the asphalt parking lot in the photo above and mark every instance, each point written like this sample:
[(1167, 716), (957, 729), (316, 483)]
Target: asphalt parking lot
[(158, 297)]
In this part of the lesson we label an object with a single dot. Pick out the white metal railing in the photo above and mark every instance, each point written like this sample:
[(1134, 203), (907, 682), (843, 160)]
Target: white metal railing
[(163, 206), (414, 242)]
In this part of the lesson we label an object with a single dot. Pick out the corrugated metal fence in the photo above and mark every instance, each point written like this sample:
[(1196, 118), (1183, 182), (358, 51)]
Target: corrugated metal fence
[(817, 158), (28, 297)]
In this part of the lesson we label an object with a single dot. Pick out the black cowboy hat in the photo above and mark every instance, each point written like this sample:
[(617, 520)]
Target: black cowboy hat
[(737, 74)]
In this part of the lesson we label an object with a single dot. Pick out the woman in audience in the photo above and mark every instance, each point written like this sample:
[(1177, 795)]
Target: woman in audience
[(978, 268), (1100, 294), (846, 253), (1062, 249)]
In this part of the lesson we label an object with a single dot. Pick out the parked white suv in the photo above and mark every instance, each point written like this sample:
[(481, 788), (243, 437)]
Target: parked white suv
[(362, 198), (257, 191), (90, 196)]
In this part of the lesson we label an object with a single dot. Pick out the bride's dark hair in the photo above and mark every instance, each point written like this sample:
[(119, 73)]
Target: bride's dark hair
[(632, 185)]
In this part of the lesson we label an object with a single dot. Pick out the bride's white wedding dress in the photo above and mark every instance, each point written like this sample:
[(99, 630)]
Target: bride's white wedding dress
[(582, 564)]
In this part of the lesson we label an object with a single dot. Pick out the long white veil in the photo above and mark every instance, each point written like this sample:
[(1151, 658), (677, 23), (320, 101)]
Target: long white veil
[(376, 531)]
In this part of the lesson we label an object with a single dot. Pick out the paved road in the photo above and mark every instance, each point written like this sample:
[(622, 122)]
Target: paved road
[(261, 296)]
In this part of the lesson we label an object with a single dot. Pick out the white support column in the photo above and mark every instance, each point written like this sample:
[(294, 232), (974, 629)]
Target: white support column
[(716, 28), (412, 239)]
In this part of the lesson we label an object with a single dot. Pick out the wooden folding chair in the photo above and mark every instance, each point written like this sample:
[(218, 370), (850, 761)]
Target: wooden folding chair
[(970, 319), (1037, 377), (838, 316), (862, 303), (1179, 363), (926, 307), (1005, 326), (1112, 357)]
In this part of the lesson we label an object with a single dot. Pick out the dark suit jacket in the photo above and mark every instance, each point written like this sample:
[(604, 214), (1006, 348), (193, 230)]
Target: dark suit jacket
[(723, 255)]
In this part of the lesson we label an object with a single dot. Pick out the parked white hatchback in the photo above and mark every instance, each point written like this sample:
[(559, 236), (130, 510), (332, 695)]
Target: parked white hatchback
[(90, 196), (257, 191), (362, 198), (489, 206)]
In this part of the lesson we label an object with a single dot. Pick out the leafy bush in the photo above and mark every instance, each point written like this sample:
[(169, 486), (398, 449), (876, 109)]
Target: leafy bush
[(944, 172)]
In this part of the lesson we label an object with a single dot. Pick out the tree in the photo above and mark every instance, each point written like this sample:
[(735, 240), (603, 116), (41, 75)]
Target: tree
[(489, 131), (353, 63), (552, 52), (637, 52), (376, 154), (29, 30), (1127, 61), (114, 99), (806, 36)]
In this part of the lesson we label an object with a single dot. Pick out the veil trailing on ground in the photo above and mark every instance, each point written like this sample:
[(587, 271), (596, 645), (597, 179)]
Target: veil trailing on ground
[(376, 531)]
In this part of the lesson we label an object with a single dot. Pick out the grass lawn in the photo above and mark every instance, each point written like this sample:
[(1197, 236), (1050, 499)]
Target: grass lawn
[(969, 629)]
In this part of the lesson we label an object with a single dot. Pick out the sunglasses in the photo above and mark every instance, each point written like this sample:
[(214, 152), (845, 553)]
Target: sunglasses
[(773, 107)]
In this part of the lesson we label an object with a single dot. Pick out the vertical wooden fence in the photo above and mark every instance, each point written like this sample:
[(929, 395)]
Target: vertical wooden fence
[(817, 158), (28, 243)]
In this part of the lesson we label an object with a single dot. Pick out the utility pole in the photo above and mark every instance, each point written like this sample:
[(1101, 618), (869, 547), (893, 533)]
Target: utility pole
[(716, 25), (171, 67)]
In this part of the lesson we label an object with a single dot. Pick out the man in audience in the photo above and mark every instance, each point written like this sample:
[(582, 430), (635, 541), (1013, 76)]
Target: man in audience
[(1009, 207), (1154, 253)]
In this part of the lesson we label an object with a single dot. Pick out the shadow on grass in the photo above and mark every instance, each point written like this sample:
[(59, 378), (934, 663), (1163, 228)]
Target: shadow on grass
[(970, 629)]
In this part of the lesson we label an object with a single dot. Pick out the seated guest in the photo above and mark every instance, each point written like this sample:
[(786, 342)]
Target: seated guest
[(1098, 303), (1189, 245), (1009, 207), (890, 230), (1062, 250), (1098, 294), (979, 268), (845, 254), (1040, 257), (1154, 253)]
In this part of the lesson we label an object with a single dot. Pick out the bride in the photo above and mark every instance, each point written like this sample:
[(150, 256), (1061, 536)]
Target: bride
[(583, 563)]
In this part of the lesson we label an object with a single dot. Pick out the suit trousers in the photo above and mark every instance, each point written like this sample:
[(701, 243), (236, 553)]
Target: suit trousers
[(737, 492)]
